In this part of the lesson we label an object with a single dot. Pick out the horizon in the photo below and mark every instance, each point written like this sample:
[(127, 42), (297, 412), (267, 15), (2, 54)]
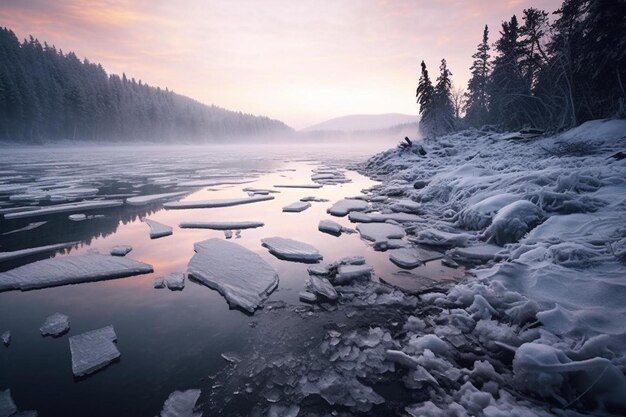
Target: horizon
[(144, 41)]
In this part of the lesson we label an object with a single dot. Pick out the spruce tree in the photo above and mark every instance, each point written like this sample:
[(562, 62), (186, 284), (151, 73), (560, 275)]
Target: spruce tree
[(442, 102), (425, 95), (477, 97)]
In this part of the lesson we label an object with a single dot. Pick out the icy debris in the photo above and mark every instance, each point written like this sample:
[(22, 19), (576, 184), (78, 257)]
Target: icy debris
[(406, 206), (277, 410), (79, 217), (232, 225), (348, 273), (331, 227), (7, 406), (513, 221), (152, 198), (6, 338), (401, 359), (342, 390), (307, 296), (479, 215), (175, 281), (55, 325), (61, 208), (121, 250), (297, 207), (231, 357), (343, 207), (291, 250), (322, 286), (181, 404), (93, 350), (298, 186), (380, 233), (26, 228), (226, 202), (70, 270), (157, 229), (9, 256), (405, 258), (239, 274), (434, 237)]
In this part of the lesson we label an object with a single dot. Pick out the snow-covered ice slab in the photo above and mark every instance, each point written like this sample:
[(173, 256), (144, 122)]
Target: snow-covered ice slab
[(70, 270), (513, 221), (93, 350), (380, 232), (345, 206), (9, 256), (7, 406), (291, 250), (221, 225), (226, 202), (298, 186), (62, 208), (181, 404), (297, 207), (78, 217), (314, 199), (152, 198), (121, 250), (55, 325), (26, 228), (329, 226), (240, 275), (158, 229)]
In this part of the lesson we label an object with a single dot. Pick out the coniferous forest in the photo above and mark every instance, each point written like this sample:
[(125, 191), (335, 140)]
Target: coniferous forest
[(47, 95), (546, 72)]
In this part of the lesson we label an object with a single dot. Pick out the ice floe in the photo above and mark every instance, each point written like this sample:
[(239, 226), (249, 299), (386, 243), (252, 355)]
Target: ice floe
[(121, 250), (232, 225), (240, 275), (93, 350), (62, 208), (70, 270), (175, 281), (55, 325), (78, 217), (6, 338), (7, 406), (359, 217), (226, 202), (152, 198), (405, 258), (298, 186), (297, 207), (8, 256), (345, 206), (182, 404), (380, 232), (331, 227), (291, 250), (157, 229), (26, 228)]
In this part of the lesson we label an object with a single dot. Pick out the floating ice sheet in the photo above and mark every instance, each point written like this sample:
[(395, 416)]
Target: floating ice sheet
[(298, 186), (55, 325), (226, 202), (297, 207), (93, 350), (7, 406), (152, 198), (291, 250), (380, 232), (157, 229), (234, 225), (329, 226), (8, 256), (343, 207), (62, 208)]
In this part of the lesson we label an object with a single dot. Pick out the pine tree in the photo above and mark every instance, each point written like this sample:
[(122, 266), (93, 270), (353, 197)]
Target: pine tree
[(442, 102), (477, 97), (425, 95)]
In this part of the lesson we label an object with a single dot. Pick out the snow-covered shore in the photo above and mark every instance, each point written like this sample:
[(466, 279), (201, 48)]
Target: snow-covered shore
[(538, 326)]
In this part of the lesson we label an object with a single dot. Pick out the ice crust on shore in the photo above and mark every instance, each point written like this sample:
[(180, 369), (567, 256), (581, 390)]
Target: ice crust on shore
[(291, 250), (93, 350), (240, 275)]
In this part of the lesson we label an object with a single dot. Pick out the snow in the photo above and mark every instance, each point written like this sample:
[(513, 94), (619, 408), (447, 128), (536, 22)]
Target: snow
[(121, 250), (226, 202), (343, 207), (93, 350), (479, 215), (70, 270), (296, 207), (291, 250), (406, 206), (6, 338), (230, 225), (181, 404), (157, 229), (152, 198), (434, 237), (62, 208), (405, 258), (239, 274), (55, 325), (307, 296), (331, 227), (8, 256), (7, 406)]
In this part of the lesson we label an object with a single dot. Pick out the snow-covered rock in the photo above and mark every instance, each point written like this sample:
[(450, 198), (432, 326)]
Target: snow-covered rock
[(157, 229), (181, 404), (226, 202), (55, 325), (239, 274), (291, 250), (93, 350)]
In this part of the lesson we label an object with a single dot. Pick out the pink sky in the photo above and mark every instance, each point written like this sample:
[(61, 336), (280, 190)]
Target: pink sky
[(298, 61)]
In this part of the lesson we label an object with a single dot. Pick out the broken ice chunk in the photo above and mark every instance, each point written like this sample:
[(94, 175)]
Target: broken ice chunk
[(227, 202), (93, 350), (240, 275), (434, 237), (405, 258), (314, 199), (7, 406), (55, 325), (318, 270), (291, 250), (175, 281), (380, 233), (70, 270), (79, 217), (26, 228), (323, 287), (331, 227), (159, 283), (343, 207), (297, 207), (298, 186), (83, 205), (348, 273), (157, 229), (307, 296), (121, 250), (181, 404), (406, 206), (221, 225), (477, 253), (6, 338)]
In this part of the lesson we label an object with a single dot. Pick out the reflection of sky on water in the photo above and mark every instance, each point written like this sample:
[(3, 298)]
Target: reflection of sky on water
[(168, 340)]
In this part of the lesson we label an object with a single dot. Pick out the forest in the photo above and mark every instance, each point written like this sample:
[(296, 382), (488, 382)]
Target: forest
[(47, 95), (547, 73)]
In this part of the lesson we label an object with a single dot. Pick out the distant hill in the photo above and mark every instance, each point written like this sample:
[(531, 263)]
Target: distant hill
[(363, 122), (47, 95)]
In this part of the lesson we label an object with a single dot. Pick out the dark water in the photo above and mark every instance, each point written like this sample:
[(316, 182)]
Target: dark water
[(169, 340)]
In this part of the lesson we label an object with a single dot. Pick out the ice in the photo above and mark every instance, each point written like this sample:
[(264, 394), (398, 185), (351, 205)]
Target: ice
[(434, 237), (55, 325), (159, 283), (358, 217), (231, 225), (7, 406), (175, 281), (121, 250), (8, 256), (226, 202), (70, 270), (406, 206), (211, 183), (181, 404), (323, 287), (12, 188), (157, 229), (62, 208), (296, 207), (314, 199), (291, 250), (152, 198), (513, 221), (277, 410), (79, 217), (349, 273), (477, 253), (26, 228), (479, 215), (343, 207), (239, 274), (298, 186), (346, 391), (6, 338), (228, 234), (405, 258), (263, 191), (307, 296), (93, 350), (380, 232), (331, 227)]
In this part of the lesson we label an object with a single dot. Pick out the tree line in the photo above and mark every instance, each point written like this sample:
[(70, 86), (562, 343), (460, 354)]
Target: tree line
[(550, 76), (47, 95)]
